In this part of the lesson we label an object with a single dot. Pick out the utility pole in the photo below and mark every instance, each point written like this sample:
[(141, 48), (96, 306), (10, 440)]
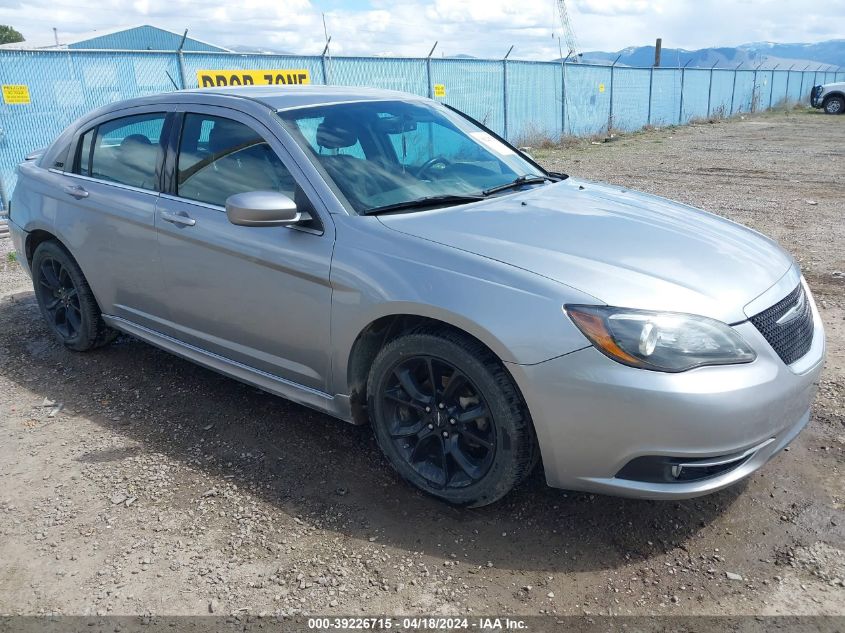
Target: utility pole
[(658, 49)]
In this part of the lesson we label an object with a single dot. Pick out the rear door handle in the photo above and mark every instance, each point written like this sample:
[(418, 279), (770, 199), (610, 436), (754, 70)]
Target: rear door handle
[(76, 191), (182, 219)]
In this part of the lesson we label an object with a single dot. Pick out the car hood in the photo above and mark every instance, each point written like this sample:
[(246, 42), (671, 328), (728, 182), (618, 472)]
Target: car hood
[(623, 247)]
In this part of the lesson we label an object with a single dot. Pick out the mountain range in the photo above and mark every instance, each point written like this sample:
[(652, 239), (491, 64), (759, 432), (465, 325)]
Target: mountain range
[(818, 56), (769, 54)]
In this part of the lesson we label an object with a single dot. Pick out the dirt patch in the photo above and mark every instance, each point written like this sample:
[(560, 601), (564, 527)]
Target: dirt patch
[(135, 482)]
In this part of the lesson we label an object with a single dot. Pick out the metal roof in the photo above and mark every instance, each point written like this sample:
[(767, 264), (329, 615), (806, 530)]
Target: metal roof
[(138, 37)]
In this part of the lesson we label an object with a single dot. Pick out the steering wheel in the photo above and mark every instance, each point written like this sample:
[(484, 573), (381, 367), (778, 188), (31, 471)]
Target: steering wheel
[(431, 162)]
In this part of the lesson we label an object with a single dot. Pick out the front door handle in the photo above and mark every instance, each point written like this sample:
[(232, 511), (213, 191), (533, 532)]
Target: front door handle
[(76, 191), (182, 219)]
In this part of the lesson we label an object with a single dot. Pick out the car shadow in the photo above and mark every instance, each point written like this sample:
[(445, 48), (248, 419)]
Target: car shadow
[(310, 466)]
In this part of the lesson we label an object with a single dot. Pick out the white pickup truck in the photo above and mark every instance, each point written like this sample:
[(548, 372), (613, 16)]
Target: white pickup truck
[(829, 97)]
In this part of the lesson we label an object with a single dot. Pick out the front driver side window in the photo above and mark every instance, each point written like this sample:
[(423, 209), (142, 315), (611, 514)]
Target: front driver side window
[(219, 157)]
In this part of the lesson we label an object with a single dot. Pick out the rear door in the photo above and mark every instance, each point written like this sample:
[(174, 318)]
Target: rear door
[(109, 197), (259, 296)]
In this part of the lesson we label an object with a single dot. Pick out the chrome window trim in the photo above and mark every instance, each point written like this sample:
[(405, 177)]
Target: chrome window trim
[(206, 205), (118, 185)]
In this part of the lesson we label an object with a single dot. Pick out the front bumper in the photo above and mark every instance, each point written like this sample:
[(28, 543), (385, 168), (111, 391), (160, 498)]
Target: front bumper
[(593, 415), (815, 96)]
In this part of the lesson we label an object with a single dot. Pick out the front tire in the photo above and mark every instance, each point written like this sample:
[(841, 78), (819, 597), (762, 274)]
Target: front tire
[(834, 105), (449, 418), (66, 301)]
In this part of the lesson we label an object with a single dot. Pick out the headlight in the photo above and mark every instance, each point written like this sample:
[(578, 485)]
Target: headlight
[(660, 341)]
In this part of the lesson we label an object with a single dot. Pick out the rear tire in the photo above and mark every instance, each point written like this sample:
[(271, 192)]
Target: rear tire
[(449, 418), (66, 301), (834, 105)]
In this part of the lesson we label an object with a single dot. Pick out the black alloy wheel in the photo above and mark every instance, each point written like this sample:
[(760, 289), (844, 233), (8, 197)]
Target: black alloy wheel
[(439, 421), (60, 298), (65, 299), (449, 417)]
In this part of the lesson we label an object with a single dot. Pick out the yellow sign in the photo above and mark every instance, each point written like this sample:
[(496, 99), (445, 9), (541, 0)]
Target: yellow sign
[(212, 78), (15, 93), (439, 90), (601, 87)]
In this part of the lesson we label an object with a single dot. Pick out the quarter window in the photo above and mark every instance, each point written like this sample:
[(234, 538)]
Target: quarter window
[(219, 157), (124, 151)]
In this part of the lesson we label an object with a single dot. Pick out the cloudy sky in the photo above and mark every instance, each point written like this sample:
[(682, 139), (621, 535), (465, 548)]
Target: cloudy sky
[(484, 28)]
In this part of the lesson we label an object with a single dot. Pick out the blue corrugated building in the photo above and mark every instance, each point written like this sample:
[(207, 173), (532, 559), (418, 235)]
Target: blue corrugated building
[(144, 37)]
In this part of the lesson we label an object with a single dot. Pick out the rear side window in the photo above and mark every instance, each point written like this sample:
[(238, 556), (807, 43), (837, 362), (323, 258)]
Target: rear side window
[(124, 150)]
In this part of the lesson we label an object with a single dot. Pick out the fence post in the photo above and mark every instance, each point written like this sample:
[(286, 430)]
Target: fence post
[(182, 73), (323, 63), (788, 77), (181, 59), (563, 98), (428, 71), (754, 91), (772, 87), (505, 95), (610, 109), (681, 107), (801, 89), (650, 88), (754, 88), (505, 91), (733, 90), (710, 90)]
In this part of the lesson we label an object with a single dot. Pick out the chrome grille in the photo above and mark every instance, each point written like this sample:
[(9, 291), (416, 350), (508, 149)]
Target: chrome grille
[(792, 337)]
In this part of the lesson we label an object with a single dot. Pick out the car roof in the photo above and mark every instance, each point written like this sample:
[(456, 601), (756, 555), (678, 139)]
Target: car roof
[(282, 97)]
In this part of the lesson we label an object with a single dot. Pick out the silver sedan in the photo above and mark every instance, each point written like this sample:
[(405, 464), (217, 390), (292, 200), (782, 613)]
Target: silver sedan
[(386, 259)]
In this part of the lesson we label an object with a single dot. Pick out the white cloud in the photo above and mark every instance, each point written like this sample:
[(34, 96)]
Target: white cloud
[(614, 7), (484, 28)]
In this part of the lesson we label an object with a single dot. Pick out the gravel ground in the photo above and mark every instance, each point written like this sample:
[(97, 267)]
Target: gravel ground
[(134, 482)]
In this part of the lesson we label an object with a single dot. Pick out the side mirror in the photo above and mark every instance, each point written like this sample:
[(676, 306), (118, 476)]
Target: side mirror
[(262, 208)]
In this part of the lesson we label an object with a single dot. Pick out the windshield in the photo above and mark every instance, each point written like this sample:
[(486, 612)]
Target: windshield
[(386, 153)]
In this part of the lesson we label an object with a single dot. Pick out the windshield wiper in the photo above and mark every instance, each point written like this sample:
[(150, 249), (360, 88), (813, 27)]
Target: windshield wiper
[(419, 203), (517, 182)]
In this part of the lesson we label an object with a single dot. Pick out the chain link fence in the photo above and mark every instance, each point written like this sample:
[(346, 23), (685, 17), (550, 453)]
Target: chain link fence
[(527, 102)]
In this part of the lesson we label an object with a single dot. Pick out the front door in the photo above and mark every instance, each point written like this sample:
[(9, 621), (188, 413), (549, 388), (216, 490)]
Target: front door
[(259, 296)]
